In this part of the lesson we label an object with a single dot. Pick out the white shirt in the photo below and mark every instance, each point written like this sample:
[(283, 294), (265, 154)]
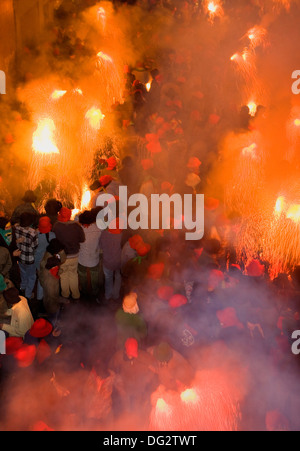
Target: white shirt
[(21, 319), (89, 254)]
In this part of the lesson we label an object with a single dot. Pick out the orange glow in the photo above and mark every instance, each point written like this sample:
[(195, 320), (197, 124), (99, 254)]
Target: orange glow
[(95, 118), (250, 150), (189, 395), (148, 85), (214, 8), (43, 141), (297, 122), (161, 405), (234, 57), (257, 35)]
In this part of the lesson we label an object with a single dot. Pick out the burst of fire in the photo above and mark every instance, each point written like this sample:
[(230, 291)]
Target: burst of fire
[(104, 57), (252, 108), (297, 122), (43, 140), (250, 151), (57, 94), (280, 205), (95, 118), (189, 396), (214, 8), (293, 213), (257, 36), (148, 85), (78, 91), (86, 199)]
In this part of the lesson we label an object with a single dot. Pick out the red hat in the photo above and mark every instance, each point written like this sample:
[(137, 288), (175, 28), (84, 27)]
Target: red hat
[(143, 249), (64, 214), (194, 163), (131, 347), (112, 163), (178, 300), (255, 269), (41, 328), (135, 241), (154, 147), (45, 225), (156, 270), (214, 279), (105, 180), (165, 293), (13, 344), (147, 164), (25, 355), (43, 351), (115, 227), (228, 318), (211, 204)]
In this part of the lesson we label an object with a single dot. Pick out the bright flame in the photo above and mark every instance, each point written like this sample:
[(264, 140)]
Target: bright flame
[(43, 141), (86, 199), (95, 118), (214, 8), (57, 94), (252, 108), (75, 213), (148, 85), (234, 57), (294, 213), (297, 122), (280, 205), (189, 395), (257, 35), (105, 57), (78, 91)]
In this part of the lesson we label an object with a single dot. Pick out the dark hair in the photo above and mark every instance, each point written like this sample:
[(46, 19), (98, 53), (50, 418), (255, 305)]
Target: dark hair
[(53, 206), (52, 262), (55, 246), (26, 219)]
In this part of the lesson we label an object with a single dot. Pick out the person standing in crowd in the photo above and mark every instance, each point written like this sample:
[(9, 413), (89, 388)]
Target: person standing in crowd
[(44, 237), (71, 235), (27, 242), (26, 207), (110, 243), (18, 309), (52, 208), (89, 255)]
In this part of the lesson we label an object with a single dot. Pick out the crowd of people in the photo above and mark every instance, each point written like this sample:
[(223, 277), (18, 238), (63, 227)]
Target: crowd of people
[(163, 298)]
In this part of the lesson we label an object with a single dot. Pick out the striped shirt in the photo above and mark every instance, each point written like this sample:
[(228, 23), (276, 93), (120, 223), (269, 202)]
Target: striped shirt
[(27, 242)]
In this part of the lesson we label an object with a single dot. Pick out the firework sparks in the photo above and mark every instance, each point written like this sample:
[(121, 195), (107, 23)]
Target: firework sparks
[(189, 396), (95, 118), (214, 9), (86, 199), (293, 213), (43, 140), (257, 36), (252, 108), (103, 57)]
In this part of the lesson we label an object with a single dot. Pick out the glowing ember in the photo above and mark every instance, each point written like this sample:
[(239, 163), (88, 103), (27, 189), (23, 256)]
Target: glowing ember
[(214, 8), (95, 118), (43, 141), (57, 94), (257, 35), (297, 122), (104, 57), (252, 108), (293, 213), (234, 57), (78, 91), (189, 395)]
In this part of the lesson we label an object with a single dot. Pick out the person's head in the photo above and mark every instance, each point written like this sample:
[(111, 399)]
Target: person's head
[(26, 219), (45, 225), (87, 218), (55, 247), (65, 214), (130, 304), (12, 296), (53, 207), (29, 196), (131, 348)]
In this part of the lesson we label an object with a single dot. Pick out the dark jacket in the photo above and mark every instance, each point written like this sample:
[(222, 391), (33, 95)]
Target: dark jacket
[(70, 234)]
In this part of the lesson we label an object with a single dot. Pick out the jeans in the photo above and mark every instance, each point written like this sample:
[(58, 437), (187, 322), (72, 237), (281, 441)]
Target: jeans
[(28, 278), (113, 283)]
